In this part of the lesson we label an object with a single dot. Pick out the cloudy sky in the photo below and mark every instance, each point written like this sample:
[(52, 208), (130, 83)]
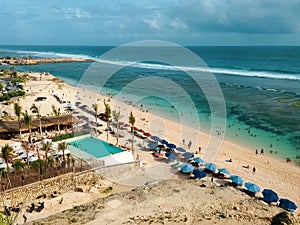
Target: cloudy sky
[(187, 22)]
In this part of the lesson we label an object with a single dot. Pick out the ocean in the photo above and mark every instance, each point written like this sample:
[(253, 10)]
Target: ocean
[(261, 88)]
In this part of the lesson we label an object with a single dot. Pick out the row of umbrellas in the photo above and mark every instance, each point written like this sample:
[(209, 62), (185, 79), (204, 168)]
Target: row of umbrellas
[(268, 195)]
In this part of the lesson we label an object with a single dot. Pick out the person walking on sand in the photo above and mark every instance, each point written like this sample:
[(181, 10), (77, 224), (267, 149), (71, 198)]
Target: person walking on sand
[(254, 169), (190, 144)]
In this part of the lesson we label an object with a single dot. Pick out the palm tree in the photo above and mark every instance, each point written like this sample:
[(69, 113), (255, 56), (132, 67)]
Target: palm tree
[(56, 113), (18, 113), (46, 146), (35, 109), (116, 116), (107, 115), (132, 122), (95, 108), (38, 165), (6, 153), (18, 165), (28, 122), (63, 146)]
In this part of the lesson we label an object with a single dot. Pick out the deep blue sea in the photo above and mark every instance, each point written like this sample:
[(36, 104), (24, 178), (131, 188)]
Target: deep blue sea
[(261, 87)]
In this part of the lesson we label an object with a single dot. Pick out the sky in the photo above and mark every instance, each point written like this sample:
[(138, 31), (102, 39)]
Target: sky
[(185, 22)]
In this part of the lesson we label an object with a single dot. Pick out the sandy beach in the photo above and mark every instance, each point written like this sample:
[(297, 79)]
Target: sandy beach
[(271, 173)]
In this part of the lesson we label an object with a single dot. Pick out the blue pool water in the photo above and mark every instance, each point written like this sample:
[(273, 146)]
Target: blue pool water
[(95, 147)]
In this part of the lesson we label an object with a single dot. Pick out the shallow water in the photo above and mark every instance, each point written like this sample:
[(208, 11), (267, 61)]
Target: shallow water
[(261, 87)]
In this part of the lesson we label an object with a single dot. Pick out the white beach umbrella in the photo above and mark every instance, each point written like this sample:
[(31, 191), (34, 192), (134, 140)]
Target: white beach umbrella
[(46, 140), (33, 158), (55, 145), (67, 151), (24, 155), (4, 166), (19, 151), (16, 144)]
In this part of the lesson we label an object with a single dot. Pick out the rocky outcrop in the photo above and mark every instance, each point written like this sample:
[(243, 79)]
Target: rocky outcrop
[(19, 61)]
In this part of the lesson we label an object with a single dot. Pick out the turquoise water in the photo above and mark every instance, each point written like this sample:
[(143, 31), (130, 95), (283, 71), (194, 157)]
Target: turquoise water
[(95, 147), (261, 88)]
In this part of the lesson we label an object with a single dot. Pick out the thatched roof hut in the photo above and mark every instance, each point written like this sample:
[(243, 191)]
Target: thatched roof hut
[(11, 128)]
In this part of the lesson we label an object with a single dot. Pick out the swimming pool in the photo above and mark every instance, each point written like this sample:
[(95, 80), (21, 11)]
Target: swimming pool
[(95, 147)]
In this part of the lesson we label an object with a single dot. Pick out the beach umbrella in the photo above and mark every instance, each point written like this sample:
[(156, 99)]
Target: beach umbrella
[(3, 166), (167, 154), (224, 171), (54, 145), (46, 140), (198, 160), (187, 168), (287, 204), (210, 166), (70, 106), (179, 149), (237, 180), (33, 158), (24, 155), (121, 123), (147, 134), (16, 144), (152, 145), (164, 142), (67, 151), (170, 145), (19, 151), (252, 187), (155, 138), (199, 173), (188, 155), (172, 156), (270, 196)]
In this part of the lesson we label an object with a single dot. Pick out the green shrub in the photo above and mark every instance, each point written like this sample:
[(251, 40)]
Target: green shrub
[(68, 136), (9, 95)]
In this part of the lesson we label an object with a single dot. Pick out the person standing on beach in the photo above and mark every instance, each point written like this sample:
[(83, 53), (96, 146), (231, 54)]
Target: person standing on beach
[(254, 169), (190, 144)]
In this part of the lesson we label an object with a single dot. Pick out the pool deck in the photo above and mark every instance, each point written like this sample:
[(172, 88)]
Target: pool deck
[(113, 159)]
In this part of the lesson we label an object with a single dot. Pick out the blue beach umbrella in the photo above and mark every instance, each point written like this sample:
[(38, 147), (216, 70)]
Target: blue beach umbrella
[(270, 196), (188, 155), (167, 154), (170, 145), (199, 173), (287, 204), (172, 156), (155, 138), (152, 145), (70, 105), (198, 160), (224, 171), (210, 166), (164, 142), (180, 149), (252, 187), (237, 180), (187, 168)]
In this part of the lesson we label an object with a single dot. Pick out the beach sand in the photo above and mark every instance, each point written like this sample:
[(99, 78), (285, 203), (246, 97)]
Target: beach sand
[(270, 172)]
